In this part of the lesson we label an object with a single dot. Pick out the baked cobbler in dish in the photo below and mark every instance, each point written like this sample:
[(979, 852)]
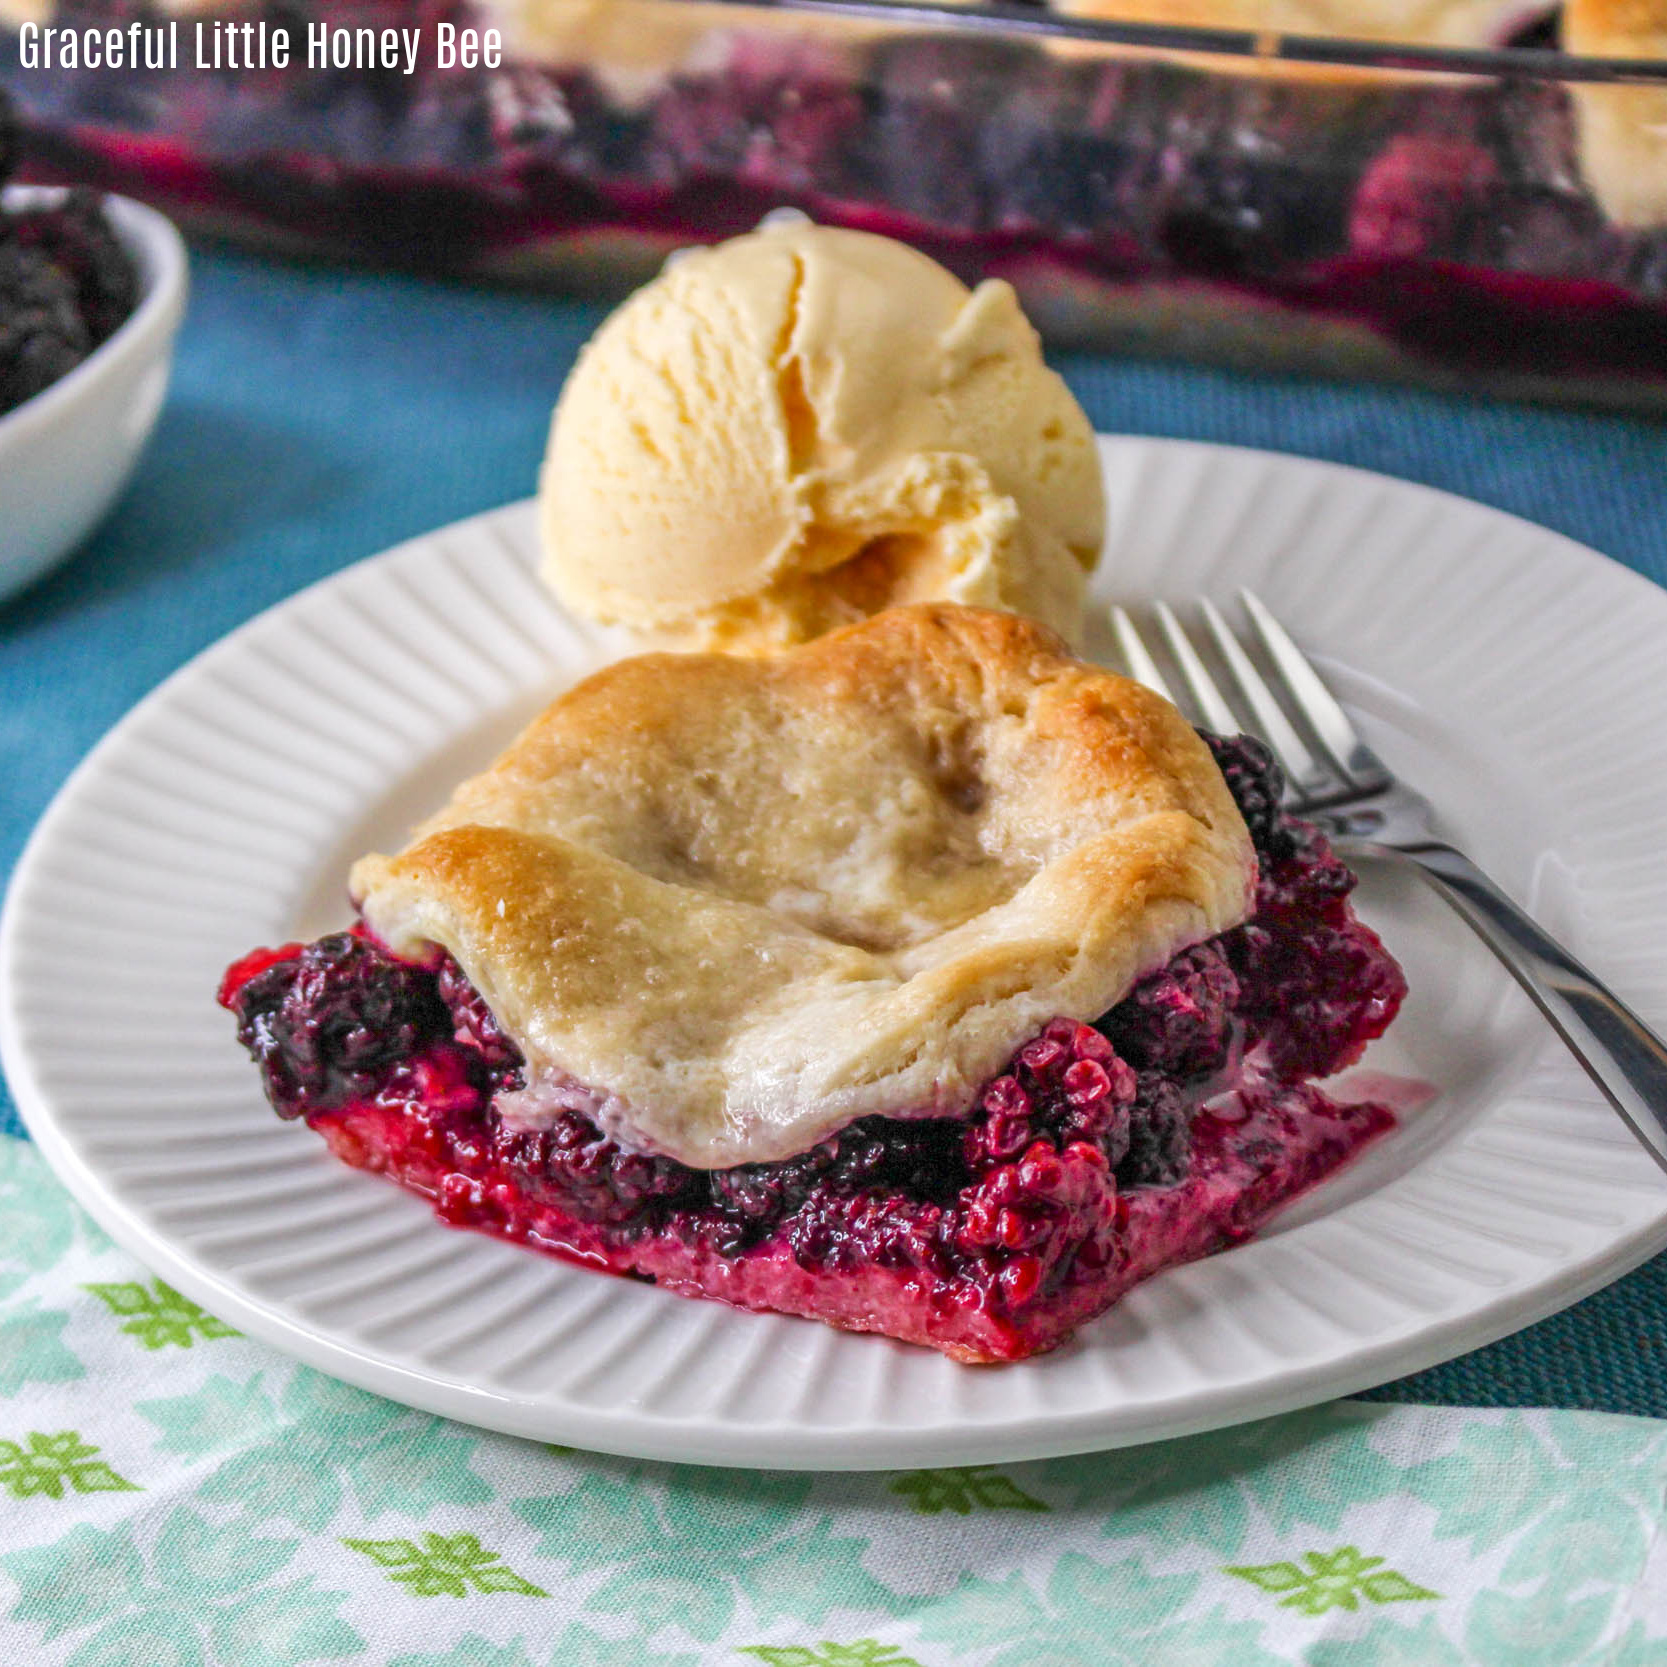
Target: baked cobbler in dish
[(922, 980), (1355, 209)]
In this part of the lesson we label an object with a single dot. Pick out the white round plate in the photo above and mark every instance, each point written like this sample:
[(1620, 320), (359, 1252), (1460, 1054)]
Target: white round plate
[(1512, 673)]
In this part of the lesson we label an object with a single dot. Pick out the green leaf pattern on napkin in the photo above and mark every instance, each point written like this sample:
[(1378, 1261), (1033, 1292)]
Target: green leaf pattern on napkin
[(158, 1315), (444, 1565), (866, 1652), (963, 1490), (169, 1504), (1332, 1580), (51, 1464)]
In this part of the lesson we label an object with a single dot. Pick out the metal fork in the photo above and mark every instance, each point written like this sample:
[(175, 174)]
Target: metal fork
[(1348, 791)]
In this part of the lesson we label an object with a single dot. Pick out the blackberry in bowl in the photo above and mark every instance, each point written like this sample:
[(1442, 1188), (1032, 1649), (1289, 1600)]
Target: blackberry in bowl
[(91, 294), (985, 1206), (67, 284)]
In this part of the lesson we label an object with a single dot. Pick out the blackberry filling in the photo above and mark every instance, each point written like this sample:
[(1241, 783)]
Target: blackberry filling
[(1103, 1152)]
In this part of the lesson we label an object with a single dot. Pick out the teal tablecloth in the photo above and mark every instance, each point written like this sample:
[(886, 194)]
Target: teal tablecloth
[(316, 418)]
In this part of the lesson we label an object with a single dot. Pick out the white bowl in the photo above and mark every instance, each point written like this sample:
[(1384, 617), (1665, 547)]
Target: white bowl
[(66, 454)]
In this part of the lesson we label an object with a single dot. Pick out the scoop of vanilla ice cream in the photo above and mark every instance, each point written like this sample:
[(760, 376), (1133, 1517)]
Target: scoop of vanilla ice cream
[(804, 425)]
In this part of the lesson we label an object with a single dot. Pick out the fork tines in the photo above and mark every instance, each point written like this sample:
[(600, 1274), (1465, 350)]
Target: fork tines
[(1342, 765)]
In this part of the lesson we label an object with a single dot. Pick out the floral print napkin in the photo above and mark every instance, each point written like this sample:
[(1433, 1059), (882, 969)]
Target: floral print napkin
[(173, 1494)]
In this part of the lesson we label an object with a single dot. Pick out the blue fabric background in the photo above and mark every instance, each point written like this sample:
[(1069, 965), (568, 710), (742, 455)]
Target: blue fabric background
[(317, 417)]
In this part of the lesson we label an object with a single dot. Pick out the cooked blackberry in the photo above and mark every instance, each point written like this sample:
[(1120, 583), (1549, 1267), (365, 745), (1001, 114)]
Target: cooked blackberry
[(1414, 196), (1158, 1131), (1257, 785), (1180, 1019), (933, 94), (77, 238), (1044, 161), (776, 115), (42, 335), (328, 1023)]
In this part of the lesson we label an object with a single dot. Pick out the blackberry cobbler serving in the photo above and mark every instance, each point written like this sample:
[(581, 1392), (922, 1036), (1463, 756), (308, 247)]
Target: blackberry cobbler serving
[(922, 980)]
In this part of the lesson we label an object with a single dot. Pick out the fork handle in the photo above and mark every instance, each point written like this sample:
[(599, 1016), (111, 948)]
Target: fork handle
[(1621, 1054)]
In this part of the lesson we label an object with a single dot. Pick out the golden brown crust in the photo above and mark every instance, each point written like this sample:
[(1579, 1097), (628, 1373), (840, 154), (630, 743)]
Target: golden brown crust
[(755, 899), (1616, 28)]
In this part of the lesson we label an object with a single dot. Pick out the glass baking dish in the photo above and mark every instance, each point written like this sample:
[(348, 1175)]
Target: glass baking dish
[(1488, 220)]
